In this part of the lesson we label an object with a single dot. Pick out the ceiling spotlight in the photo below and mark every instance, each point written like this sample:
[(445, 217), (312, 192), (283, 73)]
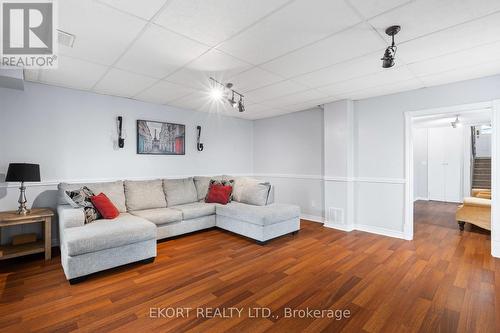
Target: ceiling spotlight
[(241, 106), (216, 93), (220, 90), (456, 123), (390, 51), (232, 101)]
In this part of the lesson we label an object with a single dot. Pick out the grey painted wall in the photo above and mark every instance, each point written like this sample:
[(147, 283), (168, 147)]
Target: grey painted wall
[(72, 135), (288, 151)]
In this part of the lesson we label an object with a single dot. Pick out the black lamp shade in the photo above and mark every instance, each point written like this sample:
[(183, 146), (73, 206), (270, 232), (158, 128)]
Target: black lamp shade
[(23, 172)]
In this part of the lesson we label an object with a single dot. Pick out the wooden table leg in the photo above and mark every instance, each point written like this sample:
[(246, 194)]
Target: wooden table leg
[(48, 238)]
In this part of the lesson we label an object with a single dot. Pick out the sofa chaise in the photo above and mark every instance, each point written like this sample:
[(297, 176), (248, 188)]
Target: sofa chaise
[(158, 209)]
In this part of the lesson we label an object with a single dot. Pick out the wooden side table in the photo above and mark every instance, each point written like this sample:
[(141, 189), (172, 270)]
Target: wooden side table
[(37, 215)]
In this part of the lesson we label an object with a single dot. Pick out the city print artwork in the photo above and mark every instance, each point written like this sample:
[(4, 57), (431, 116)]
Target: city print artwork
[(159, 138)]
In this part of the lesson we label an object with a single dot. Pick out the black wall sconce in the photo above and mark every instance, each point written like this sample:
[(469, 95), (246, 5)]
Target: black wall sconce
[(199, 145), (121, 139)]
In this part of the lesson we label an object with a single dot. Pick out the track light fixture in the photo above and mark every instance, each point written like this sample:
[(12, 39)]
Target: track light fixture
[(456, 123), (232, 101), (390, 51), (241, 106), (220, 90)]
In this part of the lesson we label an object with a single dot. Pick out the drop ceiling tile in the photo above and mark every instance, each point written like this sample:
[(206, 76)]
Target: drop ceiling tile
[(426, 16), (213, 21), (310, 104), (163, 92), (201, 101), (121, 83), (138, 8), (214, 63), (274, 91), (370, 8), (385, 89), (343, 46), (461, 74), (159, 52), (388, 76), (470, 57), (73, 73), (102, 33), (351, 69), (300, 23), (464, 36), (296, 98), (254, 78)]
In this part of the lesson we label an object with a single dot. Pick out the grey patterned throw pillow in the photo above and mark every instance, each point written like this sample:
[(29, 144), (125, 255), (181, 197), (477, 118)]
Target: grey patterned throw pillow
[(81, 197)]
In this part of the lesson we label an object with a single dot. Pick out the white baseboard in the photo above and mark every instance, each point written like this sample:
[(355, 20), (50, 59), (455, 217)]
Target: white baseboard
[(495, 249), (420, 198), (370, 229), (313, 218), (380, 231), (341, 227)]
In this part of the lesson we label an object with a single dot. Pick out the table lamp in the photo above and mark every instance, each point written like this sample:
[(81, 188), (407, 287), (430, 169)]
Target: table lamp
[(23, 172)]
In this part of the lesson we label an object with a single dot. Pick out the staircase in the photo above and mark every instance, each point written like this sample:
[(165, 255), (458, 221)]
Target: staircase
[(481, 177)]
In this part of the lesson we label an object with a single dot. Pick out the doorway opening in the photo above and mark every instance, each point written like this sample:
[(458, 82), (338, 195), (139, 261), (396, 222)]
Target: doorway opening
[(450, 182)]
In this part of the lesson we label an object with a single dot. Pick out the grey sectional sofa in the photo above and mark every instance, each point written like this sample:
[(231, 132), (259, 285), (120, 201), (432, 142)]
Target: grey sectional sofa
[(158, 209)]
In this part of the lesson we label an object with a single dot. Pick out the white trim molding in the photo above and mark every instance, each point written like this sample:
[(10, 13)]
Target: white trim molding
[(333, 178), (495, 180), (368, 228), (494, 106), (313, 218), (288, 175), (104, 180)]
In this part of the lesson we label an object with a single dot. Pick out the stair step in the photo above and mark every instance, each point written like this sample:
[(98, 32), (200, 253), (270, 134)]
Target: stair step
[(481, 184)]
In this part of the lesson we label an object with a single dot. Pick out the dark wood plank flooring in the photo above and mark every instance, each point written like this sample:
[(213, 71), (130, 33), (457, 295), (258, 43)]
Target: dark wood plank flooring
[(443, 281)]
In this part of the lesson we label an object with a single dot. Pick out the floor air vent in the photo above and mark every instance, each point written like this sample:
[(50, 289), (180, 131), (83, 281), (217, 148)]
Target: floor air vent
[(335, 215)]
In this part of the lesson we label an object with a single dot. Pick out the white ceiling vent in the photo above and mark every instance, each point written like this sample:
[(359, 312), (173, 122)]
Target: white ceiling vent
[(65, 38)]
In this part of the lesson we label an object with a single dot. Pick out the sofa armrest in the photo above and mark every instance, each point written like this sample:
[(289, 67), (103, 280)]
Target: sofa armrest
[(270, 196), (70, 217), (477, 202)]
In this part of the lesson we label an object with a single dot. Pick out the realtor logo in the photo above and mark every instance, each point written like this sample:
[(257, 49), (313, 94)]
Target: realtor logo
[(28, 34)]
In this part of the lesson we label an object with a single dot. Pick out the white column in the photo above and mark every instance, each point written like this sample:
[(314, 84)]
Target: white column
[(339, 165)]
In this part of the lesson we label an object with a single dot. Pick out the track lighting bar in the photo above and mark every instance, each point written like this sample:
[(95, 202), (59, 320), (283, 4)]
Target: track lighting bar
[(220, 90)]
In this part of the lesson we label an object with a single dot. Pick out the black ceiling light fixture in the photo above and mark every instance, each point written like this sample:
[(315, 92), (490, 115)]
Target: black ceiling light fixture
[(390, 51), (226, 91)]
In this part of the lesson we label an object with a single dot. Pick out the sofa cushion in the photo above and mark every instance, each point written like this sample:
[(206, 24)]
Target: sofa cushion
[(159, 215), (202, 184), (180, 191), (260, 215), (240, 183), (255, 194), (144, 194), (105, 234), (113, 190), (195, 210)]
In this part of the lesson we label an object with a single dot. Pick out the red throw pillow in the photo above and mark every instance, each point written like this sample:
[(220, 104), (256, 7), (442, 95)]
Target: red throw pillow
[(219, 194), (102, 203)]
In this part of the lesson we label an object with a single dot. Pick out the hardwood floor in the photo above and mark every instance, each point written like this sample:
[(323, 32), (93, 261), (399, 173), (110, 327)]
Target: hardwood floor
[(443, 281)]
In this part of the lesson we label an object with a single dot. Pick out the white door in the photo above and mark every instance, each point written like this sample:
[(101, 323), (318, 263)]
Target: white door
[(445, 146), (453, 156), (435, 164)]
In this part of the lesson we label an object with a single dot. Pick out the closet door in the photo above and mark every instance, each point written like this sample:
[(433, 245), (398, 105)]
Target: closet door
[(445, 154), (453, 157), (435, 164)]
